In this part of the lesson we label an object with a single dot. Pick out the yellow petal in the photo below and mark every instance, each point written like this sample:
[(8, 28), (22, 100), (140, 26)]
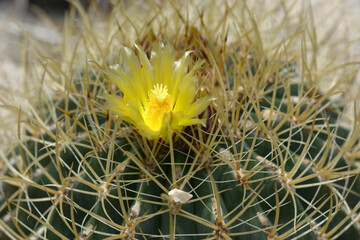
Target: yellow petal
[(157, 96), (186, 94), (199, 106), (147, 72), (180, 70)]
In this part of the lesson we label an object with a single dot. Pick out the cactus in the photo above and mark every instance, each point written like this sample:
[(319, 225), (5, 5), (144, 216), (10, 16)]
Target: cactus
[(256, 151)]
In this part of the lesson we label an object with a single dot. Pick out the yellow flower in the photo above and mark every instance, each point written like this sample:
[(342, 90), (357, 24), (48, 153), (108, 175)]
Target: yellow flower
[(157, 94)]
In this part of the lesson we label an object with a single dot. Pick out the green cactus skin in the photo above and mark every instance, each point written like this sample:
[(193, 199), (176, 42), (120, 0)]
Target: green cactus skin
[(248, 174), (273, 162)]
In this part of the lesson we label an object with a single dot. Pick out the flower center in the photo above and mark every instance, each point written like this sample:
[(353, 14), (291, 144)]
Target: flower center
[(158, 105)]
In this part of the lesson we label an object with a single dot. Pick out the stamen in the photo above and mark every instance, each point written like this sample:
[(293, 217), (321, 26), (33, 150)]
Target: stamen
[(160, 92), (158, 105)]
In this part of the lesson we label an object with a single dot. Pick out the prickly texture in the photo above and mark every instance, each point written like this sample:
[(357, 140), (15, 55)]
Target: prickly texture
[(272, 162)]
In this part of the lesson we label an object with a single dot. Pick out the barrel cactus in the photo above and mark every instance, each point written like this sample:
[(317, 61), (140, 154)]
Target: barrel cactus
[(183, 136)]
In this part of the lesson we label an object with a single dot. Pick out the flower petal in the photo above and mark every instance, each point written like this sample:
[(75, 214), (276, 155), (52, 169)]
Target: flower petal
[(147, 72), (139, 76)]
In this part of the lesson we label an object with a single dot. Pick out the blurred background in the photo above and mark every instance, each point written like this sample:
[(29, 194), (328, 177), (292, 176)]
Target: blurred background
[(19, 15), (19, 19)]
